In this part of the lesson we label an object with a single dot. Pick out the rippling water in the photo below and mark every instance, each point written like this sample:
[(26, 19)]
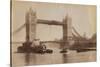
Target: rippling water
[(21, 59)]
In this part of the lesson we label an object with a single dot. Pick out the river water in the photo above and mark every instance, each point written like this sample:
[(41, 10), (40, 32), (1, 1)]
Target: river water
[(25, 59)]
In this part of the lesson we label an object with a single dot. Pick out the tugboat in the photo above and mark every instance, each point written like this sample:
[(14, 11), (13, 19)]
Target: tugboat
[(63, 51), (28, 48), (63, 48)]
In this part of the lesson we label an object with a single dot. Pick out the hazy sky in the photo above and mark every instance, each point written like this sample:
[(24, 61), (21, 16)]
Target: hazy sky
[(83, 18)]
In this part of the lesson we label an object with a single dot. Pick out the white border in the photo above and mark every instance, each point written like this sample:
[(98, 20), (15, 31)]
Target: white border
[(89, 2), (5, 32)]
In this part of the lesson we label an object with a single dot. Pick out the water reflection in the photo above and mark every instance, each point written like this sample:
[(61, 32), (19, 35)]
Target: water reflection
[(30, 58), (64, 56), (27, 58)]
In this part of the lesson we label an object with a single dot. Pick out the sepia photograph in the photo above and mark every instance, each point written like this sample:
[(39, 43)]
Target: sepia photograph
[(44, 33)]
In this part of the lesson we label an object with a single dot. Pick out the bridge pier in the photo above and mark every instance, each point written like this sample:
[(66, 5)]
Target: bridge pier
[(66, 33), (31, 22)]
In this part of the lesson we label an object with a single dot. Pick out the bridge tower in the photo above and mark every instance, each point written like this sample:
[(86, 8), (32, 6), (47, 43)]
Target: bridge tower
[(31, 21), (66, 31), (30, 24)]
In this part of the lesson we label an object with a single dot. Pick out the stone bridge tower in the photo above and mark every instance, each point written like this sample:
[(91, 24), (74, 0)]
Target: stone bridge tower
[(31, 21), (66, 31)]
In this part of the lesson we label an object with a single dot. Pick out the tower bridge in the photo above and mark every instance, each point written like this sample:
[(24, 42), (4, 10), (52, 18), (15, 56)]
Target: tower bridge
[(31, 22)]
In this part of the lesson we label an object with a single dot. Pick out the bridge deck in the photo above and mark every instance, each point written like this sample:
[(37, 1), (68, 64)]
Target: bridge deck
[(49, 22)]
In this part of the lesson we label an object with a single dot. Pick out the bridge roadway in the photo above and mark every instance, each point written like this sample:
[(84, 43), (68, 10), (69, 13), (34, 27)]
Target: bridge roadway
[(49, 22)]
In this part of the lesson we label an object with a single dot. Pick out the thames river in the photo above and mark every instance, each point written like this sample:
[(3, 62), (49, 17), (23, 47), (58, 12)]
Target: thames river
[(24, 59)]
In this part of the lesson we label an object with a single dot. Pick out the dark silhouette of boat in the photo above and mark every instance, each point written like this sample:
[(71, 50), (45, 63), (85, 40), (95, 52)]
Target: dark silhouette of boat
[(27, 48)]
